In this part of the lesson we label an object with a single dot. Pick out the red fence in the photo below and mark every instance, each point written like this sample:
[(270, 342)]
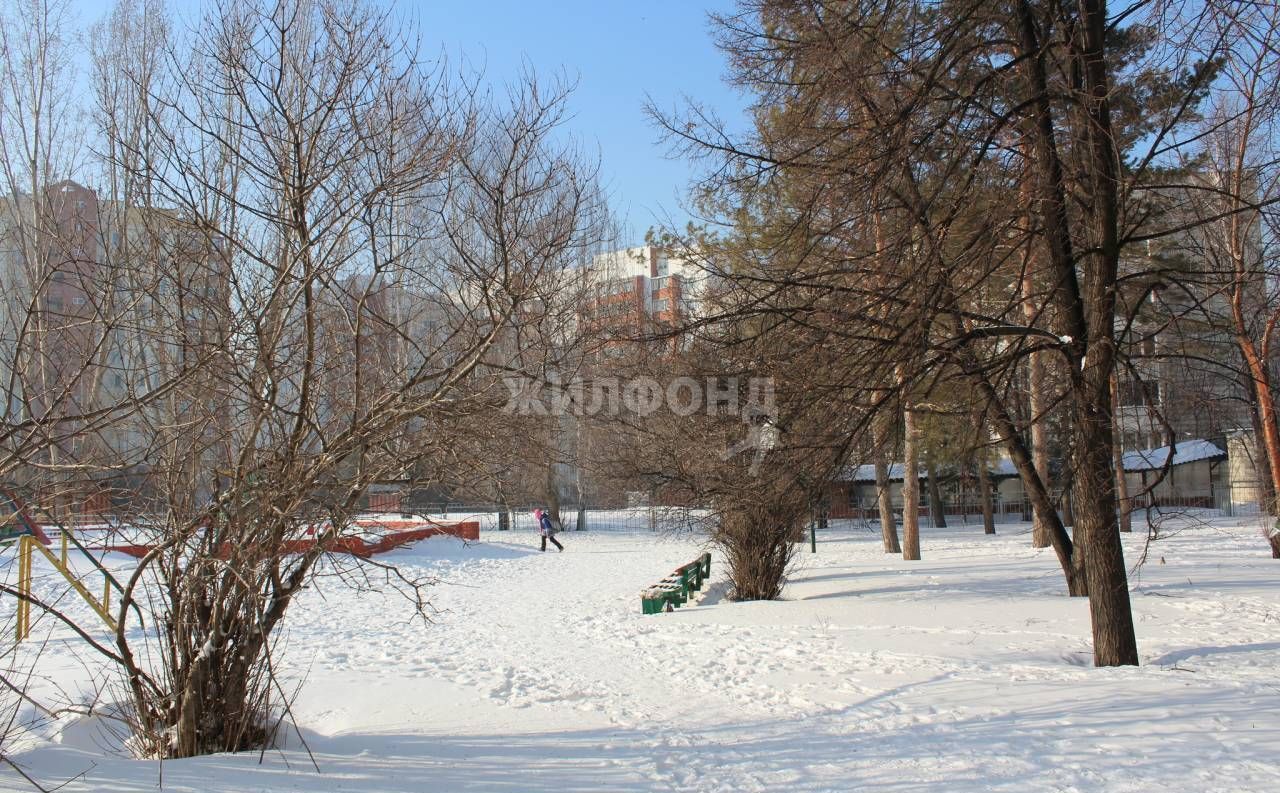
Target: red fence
[(398, 533)]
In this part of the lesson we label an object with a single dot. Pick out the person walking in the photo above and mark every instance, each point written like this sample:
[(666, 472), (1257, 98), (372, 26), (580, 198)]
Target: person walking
[(546, 528)]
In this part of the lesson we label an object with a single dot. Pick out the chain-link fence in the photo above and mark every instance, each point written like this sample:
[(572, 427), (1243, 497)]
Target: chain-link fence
[(956, 512), (497, 517), (1239, 499)]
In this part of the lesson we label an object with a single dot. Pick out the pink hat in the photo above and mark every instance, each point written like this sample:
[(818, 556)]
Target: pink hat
[(537, 513)]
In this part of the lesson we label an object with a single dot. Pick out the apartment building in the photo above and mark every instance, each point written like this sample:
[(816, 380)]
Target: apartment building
[(49, 279), (640, 288), (104, 303)]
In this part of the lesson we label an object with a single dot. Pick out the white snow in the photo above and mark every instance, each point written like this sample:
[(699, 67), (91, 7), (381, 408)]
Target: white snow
[(967, 671)]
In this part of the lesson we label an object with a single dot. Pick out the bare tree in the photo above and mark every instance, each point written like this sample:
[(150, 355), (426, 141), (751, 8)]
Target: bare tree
[(316, 245), (59, 324), (905, 133), (1227, 211), (50, 331)]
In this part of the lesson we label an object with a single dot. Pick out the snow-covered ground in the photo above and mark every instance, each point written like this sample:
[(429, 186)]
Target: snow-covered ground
[(967, 671)]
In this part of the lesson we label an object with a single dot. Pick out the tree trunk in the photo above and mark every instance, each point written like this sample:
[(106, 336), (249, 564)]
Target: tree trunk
[(1267, 501), (1037, 404), (910, 484), (1037, 493), (984, 496), (1080, 557), (1267, 419), (937, 510), (1114, 643), (1068, 505), (1270, 441), (1036, 397), (1122, 486), (884, 496)]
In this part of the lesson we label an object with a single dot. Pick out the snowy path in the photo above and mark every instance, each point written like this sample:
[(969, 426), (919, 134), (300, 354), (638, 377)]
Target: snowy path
[(967, 671)]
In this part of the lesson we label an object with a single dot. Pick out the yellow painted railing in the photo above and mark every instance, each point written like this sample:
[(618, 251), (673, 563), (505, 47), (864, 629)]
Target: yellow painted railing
[(27, 545)]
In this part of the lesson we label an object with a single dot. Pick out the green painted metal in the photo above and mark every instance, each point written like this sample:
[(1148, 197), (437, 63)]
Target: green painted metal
[(675, 589)]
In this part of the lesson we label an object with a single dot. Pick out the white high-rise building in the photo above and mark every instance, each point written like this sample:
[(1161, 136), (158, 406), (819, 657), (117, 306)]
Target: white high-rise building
[(645, 283)]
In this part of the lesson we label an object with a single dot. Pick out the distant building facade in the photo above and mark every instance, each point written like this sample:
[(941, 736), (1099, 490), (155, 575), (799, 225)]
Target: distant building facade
[(107, 302), (640, 288)]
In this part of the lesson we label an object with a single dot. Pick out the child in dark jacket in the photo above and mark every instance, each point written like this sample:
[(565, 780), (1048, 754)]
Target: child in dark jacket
[(547, 529)]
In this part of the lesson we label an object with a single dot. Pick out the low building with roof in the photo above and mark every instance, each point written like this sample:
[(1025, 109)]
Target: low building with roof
[(1195, 475), (1198, 476)]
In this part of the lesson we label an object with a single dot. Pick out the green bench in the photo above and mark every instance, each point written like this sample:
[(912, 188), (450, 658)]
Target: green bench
[(674, 590)]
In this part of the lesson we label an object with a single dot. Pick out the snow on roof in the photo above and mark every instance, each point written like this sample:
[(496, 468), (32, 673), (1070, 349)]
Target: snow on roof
[(1004, 467), (1183, 452), (867, 473), (1141, 460)]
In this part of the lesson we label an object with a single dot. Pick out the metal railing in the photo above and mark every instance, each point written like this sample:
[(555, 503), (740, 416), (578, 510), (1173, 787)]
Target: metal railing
[(29, 544), (959, 513), (500, 518)]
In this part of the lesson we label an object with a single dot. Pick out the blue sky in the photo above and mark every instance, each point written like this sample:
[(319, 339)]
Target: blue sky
[(619, 52)]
